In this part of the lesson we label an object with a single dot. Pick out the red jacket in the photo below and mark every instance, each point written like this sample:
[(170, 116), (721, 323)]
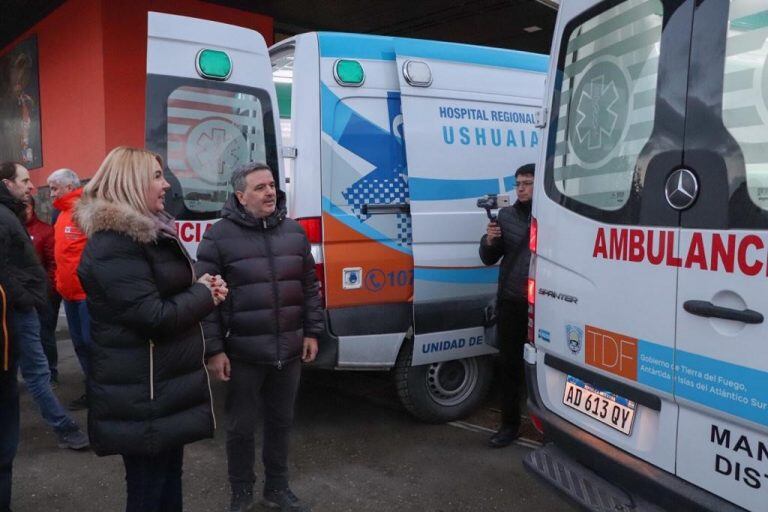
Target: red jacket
[(70, 242), (42, 237)]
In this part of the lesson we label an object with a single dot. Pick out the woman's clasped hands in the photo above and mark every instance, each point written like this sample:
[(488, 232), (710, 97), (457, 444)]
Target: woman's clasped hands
[(217, 287)]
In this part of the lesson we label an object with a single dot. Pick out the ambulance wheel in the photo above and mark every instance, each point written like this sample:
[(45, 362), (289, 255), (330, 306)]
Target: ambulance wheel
[(444, 391)]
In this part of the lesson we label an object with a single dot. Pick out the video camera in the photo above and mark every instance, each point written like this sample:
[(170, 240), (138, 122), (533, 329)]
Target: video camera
[(492, 202)]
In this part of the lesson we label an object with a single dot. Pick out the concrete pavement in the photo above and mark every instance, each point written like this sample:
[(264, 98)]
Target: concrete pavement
[(350, 452)]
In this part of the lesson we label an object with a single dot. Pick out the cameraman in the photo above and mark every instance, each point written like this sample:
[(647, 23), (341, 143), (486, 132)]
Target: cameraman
[(507, 239)]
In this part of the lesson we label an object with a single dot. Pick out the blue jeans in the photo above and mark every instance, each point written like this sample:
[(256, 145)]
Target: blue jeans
[(25, 329), (154, 482), (9, 433), (79, 323)]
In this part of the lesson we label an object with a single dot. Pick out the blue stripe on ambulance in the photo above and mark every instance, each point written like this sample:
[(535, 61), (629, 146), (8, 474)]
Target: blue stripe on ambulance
[(470, 275), (437, 189), (359, 46), (723, 386)]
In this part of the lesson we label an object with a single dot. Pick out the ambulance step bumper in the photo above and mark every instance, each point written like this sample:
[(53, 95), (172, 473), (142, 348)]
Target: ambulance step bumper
[(580, 484), (653, 484)]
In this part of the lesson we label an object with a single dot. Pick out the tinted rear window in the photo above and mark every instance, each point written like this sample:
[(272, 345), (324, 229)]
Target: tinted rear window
[(205, 130), (745, 91), (606, 106)]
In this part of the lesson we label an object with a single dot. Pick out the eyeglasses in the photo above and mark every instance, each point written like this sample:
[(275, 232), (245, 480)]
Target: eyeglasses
[(525, 183)]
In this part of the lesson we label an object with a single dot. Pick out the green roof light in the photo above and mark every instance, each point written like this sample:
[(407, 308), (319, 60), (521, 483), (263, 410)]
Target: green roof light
[(348, 72), (214, 64), (283, 99)]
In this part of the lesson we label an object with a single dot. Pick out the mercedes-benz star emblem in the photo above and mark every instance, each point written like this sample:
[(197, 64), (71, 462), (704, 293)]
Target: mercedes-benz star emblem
[(681, 189)]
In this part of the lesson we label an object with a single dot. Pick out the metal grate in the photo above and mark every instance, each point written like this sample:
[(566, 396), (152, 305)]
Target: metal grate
[(577, 482)]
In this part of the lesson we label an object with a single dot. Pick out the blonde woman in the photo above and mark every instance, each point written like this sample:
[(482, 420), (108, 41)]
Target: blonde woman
[(148, 392)]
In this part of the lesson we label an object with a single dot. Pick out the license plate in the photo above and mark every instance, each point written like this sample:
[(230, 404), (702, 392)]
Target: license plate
[(608, 408)]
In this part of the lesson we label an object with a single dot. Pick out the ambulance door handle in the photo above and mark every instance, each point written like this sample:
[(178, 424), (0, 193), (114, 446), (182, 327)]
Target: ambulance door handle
[(373, 209), (707, 309)]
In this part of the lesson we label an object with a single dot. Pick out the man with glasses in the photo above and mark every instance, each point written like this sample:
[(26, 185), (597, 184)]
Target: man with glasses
[(507, 239)]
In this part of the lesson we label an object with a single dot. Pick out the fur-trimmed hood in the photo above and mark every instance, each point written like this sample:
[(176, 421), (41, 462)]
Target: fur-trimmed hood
[(94, 215)]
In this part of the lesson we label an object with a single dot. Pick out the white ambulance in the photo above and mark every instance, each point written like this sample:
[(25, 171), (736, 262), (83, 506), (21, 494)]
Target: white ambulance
[(210, 107), (390, 143), (647, 362)]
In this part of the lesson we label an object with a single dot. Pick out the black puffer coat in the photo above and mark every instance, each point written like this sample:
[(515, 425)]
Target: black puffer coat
[(24, 279), (149, 389), (515, 223), (273, 297)]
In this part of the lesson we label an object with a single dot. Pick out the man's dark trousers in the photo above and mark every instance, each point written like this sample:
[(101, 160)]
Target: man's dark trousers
[(513, 331), (49, 317), (253, 388), (9, 432)]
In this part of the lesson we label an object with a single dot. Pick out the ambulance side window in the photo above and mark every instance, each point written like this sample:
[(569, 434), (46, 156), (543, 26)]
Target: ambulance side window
[(204, 131), (282, 76), (606, 108), (745, 92)]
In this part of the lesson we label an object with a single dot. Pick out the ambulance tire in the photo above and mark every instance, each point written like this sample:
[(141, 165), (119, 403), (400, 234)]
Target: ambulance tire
[(444, 391)]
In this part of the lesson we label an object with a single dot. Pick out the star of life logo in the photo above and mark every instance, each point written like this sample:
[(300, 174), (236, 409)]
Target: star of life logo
[(596, 112), (214, 148), (599, 112)]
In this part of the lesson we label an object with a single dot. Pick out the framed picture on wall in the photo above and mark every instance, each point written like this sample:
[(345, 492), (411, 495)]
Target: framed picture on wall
[(20, 137)]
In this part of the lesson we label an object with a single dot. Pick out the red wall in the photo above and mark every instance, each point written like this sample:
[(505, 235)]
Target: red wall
[(92, 65), (125, 60), (69, 45)]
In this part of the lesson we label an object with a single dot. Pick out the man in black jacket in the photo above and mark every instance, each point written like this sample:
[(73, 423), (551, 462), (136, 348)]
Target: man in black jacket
[(507, 238), (27, 288), (9, 389), (269, 323)]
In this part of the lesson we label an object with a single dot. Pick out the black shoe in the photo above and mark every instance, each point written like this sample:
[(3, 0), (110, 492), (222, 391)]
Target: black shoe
[(73, 439), (284, 500), (504, 437), (242, 501), (78, 404)]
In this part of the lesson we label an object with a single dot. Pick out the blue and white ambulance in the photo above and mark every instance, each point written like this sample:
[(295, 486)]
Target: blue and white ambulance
[(647, 362), (383, 146), (389, 144)]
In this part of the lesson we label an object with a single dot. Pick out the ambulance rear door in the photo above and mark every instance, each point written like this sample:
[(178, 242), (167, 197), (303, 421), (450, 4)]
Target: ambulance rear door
[(210, 107), (469, 122), (366, 243), (722, 193), (605, 276)]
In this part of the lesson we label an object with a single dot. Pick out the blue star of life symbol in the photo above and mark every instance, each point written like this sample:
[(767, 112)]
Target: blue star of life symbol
[(387, 183)]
